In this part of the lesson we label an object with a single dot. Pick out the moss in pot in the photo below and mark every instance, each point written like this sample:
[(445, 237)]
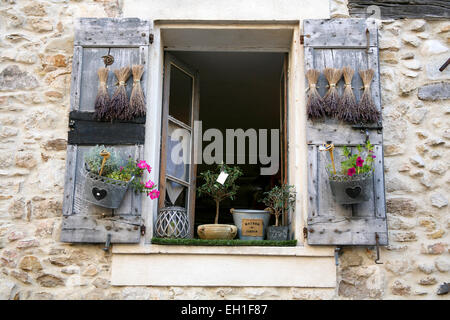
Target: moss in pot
[(218, 192), (280, 200)]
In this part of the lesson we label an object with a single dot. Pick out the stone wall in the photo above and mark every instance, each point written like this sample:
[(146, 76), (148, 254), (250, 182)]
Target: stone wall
[(36, 39), (416, 119)]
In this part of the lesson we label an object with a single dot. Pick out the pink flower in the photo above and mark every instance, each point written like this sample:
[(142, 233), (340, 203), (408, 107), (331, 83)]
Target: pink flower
[(142, 164), (150, 184), (351, 171), (359, 162), (154, 194), (121, 168), (373, 156)]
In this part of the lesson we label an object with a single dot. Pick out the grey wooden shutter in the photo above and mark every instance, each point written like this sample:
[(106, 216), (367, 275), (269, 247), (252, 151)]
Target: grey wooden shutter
[(127, 40), (337, 43)]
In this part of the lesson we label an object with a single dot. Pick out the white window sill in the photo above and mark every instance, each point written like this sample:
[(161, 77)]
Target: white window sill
[(301, 251)]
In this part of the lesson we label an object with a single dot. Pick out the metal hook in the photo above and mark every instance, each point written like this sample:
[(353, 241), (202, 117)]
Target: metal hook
[(108, 242), (445, 65), (377, 260), (367, 134), (337, 252), (108, 59), (368, 40)]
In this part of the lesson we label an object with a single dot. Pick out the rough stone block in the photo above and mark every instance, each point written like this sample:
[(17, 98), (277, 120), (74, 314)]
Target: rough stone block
[(434, 91), (12, 78)]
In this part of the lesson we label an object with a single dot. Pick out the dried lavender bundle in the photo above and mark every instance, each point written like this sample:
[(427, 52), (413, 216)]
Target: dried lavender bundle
[(348, 107), (120, 104), (331, 98), (314, 104), (367, 108), (137, 101), (102, 101)]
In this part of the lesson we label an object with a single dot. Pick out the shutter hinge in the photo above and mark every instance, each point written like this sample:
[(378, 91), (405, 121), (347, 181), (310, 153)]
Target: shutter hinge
[(150, 38), (302, 38), (142, 230), (305, 233)]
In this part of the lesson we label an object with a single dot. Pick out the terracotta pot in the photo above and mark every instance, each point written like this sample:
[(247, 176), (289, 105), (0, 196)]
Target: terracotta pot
[(217, 231)]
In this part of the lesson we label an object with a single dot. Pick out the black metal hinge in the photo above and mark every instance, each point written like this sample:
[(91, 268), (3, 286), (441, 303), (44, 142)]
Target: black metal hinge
[(302, 39), (142, 230), (305, 233), (150, 38)]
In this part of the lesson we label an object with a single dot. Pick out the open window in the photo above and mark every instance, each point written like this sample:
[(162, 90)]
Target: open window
[(180, 110), (237, 90)]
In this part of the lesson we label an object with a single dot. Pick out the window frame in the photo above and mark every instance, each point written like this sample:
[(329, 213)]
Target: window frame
[(171, 61), (295, 120)]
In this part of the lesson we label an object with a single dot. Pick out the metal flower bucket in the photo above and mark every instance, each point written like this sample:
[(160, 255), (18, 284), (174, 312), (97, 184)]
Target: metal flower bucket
[(103, 191), (244, 218), (351, 190)]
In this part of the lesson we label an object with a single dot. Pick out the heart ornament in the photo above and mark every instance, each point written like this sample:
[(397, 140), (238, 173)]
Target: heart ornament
[(353, 192), (99, 194)]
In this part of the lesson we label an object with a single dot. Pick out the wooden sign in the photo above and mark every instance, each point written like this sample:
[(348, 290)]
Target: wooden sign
[(252, 227)]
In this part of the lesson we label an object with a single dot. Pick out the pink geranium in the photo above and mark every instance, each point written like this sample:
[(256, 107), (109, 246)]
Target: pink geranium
[(154, 194), (144, 165), (351, 171), (150, 184), (359, 162)]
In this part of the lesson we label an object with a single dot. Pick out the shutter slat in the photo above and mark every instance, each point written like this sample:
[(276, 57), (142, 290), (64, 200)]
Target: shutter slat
[(334, 44), (112, 32)]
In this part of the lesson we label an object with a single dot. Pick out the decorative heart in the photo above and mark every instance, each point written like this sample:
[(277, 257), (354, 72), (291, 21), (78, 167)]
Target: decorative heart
[(353, 192), (99, 194)]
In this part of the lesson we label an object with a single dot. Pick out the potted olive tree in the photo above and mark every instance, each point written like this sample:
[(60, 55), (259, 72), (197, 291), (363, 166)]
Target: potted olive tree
[(219, 191), (279, 200)]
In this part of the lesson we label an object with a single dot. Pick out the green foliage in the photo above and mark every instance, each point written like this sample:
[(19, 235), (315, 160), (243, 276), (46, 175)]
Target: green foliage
[(280, 200), (231, 243), (358, 163), (216, 190), (94, 160), (115, 168), (124, 173)]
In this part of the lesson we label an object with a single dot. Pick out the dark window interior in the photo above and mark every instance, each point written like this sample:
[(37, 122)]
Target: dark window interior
[(237, 90)]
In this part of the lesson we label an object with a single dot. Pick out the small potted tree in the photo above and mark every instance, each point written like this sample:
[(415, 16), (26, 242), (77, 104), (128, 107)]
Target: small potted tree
[(352, 184), (218, 192), (279, 200)]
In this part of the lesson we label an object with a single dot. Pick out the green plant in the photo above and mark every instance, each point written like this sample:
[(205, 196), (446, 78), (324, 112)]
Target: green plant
[(114, 169), (94, 160), (280, 200), (354, 164), (216, 190)]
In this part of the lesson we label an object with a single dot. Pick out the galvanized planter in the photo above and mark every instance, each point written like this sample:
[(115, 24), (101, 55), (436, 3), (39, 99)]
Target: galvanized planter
[(247, 214), (351, 191), (103, 191), (172, 222), (278, 233)]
